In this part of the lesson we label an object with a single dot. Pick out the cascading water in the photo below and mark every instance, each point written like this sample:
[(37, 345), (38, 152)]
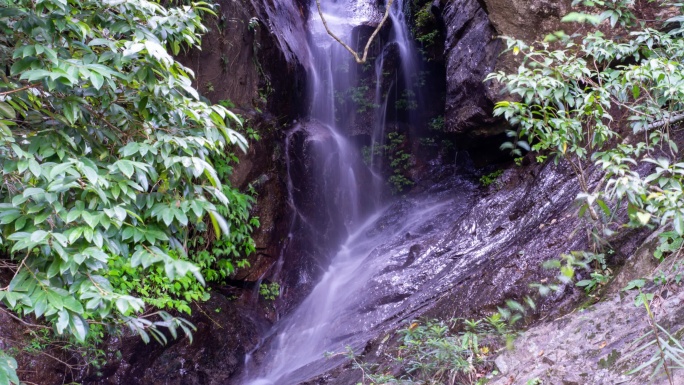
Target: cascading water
[(328, 320)]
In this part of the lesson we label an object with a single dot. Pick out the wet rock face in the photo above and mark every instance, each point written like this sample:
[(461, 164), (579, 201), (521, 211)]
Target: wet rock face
[(477, 251), (471, 51)]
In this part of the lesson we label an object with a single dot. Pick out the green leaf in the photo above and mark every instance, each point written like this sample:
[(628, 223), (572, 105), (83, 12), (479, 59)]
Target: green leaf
[(34, 167), (167, 216), (60, 169), (21, 65), (90, 219), (34, 75), (32, 191), (91, 174), (126, 167), (96, 79), (635, 284), (73, 215), (62, 321), (55, 300), (7, 111), (122, 306), (73, 304), (643, 217), (78, 327)]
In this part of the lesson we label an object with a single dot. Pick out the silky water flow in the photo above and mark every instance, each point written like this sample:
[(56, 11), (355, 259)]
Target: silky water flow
[(327, 321)]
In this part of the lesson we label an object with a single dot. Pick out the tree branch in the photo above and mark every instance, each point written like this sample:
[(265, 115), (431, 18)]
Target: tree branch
[(669, 120), (359, 60)]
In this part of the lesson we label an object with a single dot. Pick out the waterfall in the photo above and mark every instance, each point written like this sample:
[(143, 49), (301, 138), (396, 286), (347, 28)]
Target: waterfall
[(350, 195)]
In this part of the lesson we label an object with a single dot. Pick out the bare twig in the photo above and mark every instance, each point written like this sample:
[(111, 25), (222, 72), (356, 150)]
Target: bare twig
[(207, 315), (360, 60), (101, 118), (9, 313), (18, 89)]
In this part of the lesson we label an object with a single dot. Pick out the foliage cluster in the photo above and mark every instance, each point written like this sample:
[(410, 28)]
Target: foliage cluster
[(359, 96), (394, 153), (426, 28), (437, 124), (407, 101), (491, 178), (107, 166), (615, 104), (269, 291), (574, 103), (436, 352)]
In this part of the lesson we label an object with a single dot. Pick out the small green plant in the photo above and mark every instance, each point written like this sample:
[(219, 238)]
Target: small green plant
[(407, 102), (437, 124), (599, 275), (437, 352), (593, 264), (428, 142), (670, 242), (491, 178), (359, 95), (399, 160), (668, 353), (269, 291), (399, 183), (209, 87), (253, 24), (367, 155), (227, 103), (425, 25)]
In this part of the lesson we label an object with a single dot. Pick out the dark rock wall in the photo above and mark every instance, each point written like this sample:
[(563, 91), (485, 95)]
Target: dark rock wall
[(253, 55), (253, 58), (471, 52)]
